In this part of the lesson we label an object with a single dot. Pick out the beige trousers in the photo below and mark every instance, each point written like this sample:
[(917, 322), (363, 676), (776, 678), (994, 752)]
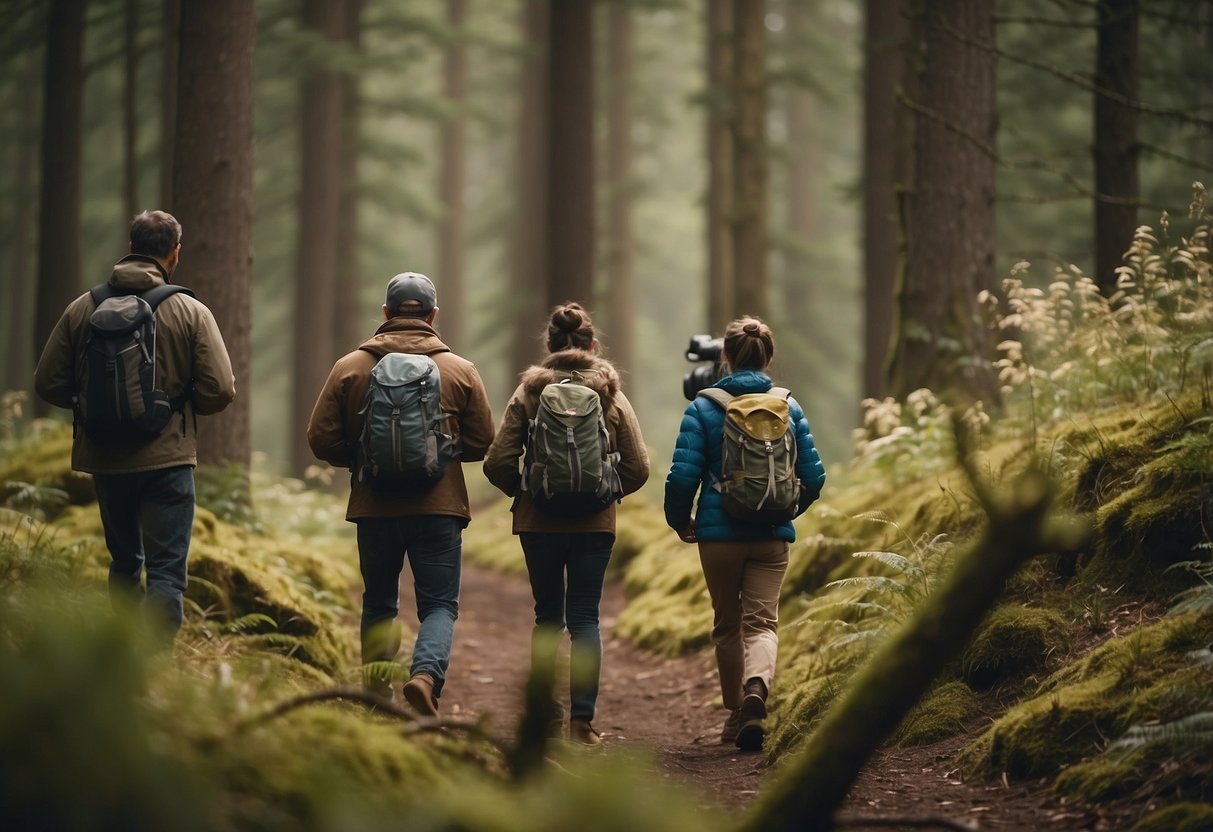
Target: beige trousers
[(743, 579)]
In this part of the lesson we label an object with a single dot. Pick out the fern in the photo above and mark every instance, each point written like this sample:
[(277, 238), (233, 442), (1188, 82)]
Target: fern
[(1195, 599), (255, 623), (1191, 734)]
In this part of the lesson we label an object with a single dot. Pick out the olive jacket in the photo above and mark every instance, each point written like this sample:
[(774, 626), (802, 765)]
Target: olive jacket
[(335, 425), (503, 464), (190, 356)]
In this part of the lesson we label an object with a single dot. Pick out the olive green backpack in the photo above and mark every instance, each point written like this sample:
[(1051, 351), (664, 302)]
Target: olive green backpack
[(758, 482), (569, 468)]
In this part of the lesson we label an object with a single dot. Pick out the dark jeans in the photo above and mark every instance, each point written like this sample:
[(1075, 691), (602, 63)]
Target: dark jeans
[(148, 517), (584, 557), (434, 545)]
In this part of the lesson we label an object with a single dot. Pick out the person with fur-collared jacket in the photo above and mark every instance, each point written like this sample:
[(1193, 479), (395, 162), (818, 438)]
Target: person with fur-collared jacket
[(567, 557)]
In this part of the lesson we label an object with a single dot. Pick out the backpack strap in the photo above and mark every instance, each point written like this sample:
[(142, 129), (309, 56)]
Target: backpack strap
[(781, 392), (718, 395), (153, 296), (158, 294)]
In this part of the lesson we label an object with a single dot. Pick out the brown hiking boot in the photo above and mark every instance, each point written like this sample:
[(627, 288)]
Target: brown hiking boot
[(419, 693), (728, 734), (581, 732), (751, 714)]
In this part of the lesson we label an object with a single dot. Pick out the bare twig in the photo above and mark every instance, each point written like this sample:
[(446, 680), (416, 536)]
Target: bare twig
[(1074, 78), (913, 823)]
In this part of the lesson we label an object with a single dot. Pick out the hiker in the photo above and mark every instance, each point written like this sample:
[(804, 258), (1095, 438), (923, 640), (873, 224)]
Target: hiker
[(564, 506), (750, 487), (378, 416), (136, 437)]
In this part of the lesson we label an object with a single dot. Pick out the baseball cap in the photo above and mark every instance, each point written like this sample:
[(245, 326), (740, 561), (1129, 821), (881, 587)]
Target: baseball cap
[(411, 286)]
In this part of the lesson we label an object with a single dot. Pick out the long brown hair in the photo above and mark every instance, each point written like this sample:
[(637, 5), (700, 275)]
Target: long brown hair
[(748, 344), (570, 327)]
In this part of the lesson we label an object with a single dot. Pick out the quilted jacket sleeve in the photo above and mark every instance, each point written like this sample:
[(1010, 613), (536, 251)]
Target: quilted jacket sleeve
[(809, 469), (687, 470)]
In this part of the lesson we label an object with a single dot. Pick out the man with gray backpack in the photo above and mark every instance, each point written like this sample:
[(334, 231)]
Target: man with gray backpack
[(136, 359), (402, 412)]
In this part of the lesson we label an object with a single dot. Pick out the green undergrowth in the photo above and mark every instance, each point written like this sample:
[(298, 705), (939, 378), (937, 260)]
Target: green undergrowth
[(142, 738), (1158, 673)]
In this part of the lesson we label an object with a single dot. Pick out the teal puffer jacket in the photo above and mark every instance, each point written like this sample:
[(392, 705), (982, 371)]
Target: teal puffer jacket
[(697, 461)]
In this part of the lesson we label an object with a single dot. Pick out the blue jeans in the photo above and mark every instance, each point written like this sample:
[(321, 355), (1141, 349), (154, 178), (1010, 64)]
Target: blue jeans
[(434, 546), (148, 517), (584, 556)]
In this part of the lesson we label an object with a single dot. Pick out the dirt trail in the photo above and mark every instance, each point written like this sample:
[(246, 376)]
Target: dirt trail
[(666, 707)]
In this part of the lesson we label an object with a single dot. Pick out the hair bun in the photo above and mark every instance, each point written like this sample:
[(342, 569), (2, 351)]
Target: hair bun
[(568, 319), (750, 328)]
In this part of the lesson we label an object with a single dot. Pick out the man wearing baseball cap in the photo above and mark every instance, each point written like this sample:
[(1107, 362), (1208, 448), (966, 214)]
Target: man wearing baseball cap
[(426, 525)]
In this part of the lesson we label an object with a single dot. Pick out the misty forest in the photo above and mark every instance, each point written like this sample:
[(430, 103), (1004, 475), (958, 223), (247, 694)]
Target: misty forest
[(978, 232)]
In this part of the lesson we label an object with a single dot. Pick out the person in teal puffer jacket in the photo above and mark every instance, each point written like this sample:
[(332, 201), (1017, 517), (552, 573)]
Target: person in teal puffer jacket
[(743, 563)]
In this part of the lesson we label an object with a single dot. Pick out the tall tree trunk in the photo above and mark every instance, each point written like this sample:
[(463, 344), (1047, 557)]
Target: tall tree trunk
[(720, 163), (170, 40), (130, 116), (529, 235), (316, 265), (1116, 181), (19, 332), (59, 201), (213, 163), (351, 317), (570, 170), (620, 63), (803, 166), (750, 158), (451, 179), (942, 343), (884, 36)]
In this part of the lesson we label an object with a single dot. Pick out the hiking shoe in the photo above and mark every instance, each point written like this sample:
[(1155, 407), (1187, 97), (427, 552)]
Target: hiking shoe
[(728, 734), (419, 693), (751, 714), (581, 732)]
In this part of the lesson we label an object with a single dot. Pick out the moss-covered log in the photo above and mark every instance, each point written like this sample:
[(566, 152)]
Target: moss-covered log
[(815, 785)]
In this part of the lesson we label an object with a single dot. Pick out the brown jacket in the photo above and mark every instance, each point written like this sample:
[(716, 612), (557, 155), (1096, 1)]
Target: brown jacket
[(502, 464), (189, 351), (335, 425)]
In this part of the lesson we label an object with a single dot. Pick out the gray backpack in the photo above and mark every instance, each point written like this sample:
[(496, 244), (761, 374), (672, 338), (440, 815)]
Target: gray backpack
[(758, 482), (569, 468), (406, 442)]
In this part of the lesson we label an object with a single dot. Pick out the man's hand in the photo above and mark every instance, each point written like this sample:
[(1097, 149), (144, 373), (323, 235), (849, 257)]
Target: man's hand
[(687, 535)]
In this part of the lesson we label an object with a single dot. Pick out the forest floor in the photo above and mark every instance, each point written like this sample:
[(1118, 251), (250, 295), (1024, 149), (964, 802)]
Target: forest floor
[(666, 708)]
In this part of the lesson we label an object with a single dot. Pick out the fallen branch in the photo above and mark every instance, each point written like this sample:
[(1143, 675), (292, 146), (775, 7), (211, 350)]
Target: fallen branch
[(416, 724), (815, 784)]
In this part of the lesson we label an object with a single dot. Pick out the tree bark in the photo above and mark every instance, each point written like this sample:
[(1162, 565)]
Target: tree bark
[(213, 163), (171, 43), (451, 180), (570, 171), (317, 268), (351, 318), (1117, 186), (883, 174), (529, 235), (942, 342), (19, 332), (749, 159), (803, 166), (720, 163), (130, 115), (59, 201), (620, 63)]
